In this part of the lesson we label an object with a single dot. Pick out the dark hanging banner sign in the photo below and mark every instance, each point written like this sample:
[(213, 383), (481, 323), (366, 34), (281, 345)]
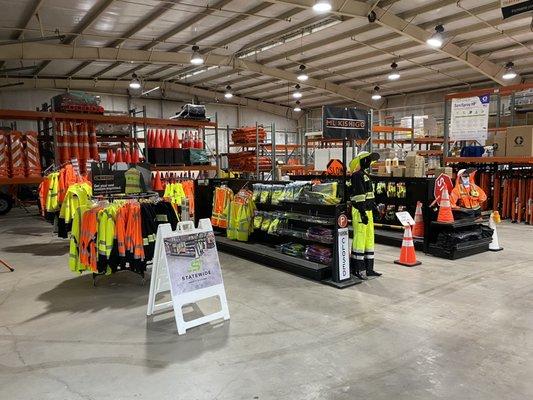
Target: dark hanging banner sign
[(515, 7), (344, 123)]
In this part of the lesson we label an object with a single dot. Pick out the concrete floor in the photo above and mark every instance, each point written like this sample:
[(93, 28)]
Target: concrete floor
[(443, 330)]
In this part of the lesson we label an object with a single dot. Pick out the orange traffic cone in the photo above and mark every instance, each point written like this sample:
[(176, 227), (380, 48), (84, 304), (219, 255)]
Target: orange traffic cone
[(418, 229), (407, 254), (126, 155), (118, 156), (110, 156), (445, 209), (158, 186), (135, 156)]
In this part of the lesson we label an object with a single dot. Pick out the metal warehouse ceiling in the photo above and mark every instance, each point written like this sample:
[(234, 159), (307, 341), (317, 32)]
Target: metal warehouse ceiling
[(257, 46)]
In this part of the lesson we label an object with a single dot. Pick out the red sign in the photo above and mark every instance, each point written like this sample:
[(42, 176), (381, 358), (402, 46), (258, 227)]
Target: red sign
[(442, 181), (342, 221), (335, 167)]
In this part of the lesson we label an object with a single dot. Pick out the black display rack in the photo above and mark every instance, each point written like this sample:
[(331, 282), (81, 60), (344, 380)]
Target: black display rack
[(459, 250), (261, 247), (416, 189)]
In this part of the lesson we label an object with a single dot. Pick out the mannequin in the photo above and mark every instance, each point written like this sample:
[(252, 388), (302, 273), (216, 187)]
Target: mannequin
[(466, 194), (363, 205)]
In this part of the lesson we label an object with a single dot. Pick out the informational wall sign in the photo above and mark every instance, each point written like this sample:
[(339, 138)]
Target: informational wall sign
[(515, 7), (186, 263), (343, 248), (470, 118), (405, 218), (344, 123)]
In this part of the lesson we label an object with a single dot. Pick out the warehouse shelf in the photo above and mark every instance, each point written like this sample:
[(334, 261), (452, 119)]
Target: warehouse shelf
[(489, 160), (155, 167), (110, 119), (20, 181)]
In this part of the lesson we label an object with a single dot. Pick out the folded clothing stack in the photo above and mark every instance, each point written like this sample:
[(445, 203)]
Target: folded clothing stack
[(320, 234), (319, 254), (293, 249)]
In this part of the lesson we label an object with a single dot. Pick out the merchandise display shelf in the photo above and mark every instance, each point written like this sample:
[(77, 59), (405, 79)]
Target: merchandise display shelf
[(155, 167), (461, 249), (489, 160), (20, 181)]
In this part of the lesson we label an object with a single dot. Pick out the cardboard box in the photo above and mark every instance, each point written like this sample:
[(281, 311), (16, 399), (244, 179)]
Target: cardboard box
[(415, 172), (498, 141), (414, 161), (519, 141), (382, 171), (398, 171)]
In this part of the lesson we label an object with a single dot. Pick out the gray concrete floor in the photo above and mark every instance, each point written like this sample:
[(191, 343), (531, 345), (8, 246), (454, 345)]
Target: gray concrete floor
[(443, 330)]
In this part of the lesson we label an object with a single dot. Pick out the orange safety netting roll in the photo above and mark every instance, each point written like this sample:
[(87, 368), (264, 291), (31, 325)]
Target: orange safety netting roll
[(32, 157)]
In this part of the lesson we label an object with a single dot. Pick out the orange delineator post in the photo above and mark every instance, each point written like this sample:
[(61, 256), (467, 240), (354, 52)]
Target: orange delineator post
[(5, 163), (17, 155), (32, 158), (93, 142), (84, 151), (74, 133)]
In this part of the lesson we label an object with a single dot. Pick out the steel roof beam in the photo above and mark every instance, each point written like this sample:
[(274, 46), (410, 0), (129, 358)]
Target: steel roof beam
[(113, 85), (40, 51)]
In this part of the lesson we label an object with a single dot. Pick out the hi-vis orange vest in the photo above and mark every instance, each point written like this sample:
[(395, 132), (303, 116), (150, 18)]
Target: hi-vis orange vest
[(221, 203)]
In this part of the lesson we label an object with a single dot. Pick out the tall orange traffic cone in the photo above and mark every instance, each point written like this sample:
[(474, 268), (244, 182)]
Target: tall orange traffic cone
[(445, 209), (126, 156), (418, 229), (110, 157), (118, 156), (135, 156), (407, 254), (157, 186)]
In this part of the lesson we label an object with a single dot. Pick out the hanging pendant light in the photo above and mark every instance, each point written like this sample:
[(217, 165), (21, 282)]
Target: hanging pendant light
[(394, 74), (322, 6), (196, 57), (135, 83), (297, 107), (228, 94), (437, 39), (510, 72), (297, 94), (375, 93), (302, 76)]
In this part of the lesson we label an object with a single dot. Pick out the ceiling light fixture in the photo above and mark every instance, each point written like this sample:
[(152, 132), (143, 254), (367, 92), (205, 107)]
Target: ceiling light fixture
[(297, 107), (135, 83), (196, 58), (510, 72), (322, 6), (394, 75), (302, 76), (228, 94), (297, 94), (375, 93), (437, 39)]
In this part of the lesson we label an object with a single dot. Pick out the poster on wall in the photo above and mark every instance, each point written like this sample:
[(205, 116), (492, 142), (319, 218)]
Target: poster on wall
[(514, 7), (344, 122), (470, 118), (192, 261)]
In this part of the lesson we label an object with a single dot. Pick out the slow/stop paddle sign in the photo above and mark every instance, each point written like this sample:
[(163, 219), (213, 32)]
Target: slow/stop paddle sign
[(442, 181)]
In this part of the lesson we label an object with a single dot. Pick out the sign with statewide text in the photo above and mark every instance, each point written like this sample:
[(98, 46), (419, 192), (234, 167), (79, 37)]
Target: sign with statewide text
[(470, 118), (344, 123), (192, 261), (515, 7)]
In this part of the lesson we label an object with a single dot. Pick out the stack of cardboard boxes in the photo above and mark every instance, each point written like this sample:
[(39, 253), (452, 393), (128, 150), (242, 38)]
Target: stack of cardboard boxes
[(516, 142), (415, 166)]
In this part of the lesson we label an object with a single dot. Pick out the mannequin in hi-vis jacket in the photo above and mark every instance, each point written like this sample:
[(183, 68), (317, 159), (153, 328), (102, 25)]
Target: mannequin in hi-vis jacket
[(363, 204)]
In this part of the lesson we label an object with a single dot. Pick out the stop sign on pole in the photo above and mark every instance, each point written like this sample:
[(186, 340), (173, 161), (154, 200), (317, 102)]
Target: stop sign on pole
[(442, 181)]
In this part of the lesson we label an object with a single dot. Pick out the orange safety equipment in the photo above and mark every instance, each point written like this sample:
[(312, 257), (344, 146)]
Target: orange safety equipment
[(445, 209), (67, 177), (62, 147), (93, 142), (126, 156), (88, 253), (222, 199), (17, 155), (74, 133), (44, 187), (32, 158), (5, 164), (83, 141), (135, 156), (407, 253), (118, 156), (188, 188), (466, 193)]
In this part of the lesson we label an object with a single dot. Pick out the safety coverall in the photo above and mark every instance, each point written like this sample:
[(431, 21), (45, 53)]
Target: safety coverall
[(363, 204)]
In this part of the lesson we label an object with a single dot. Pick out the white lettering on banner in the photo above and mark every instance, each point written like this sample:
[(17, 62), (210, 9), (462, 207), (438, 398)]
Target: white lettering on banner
[(343, 245), (470, 118)]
